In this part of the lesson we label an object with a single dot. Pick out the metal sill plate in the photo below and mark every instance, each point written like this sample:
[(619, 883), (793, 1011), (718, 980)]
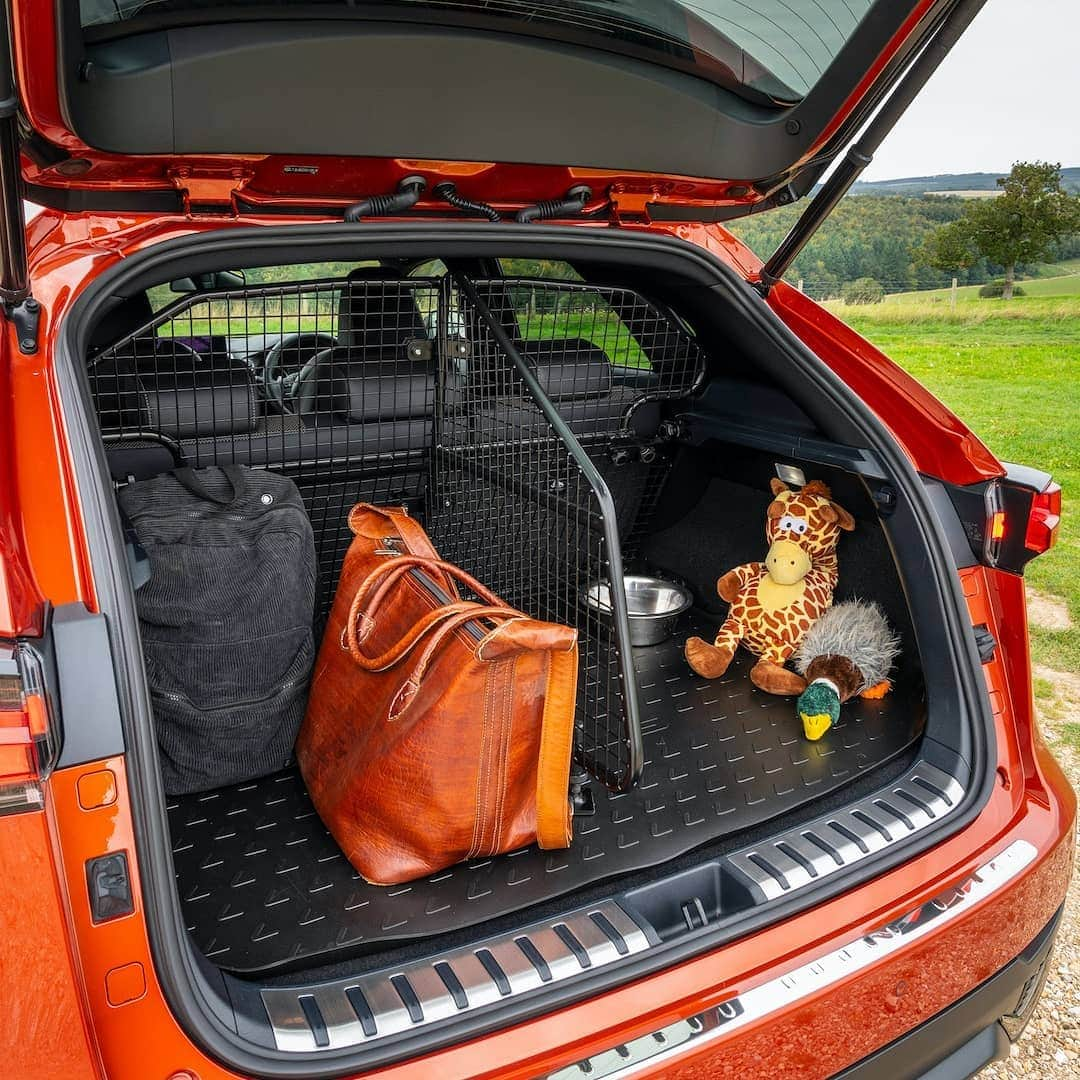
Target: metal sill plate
[(350, 1012), (796, 858)]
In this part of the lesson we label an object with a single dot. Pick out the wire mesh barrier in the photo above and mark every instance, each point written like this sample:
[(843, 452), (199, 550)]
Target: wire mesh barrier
[(549, 392), (329, 382), (518, 420), (611, 356)]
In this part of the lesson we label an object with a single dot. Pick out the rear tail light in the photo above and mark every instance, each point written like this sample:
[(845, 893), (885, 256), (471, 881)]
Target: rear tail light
[(1021, 520), (1010, 520), (29, 740), (1044, 519)]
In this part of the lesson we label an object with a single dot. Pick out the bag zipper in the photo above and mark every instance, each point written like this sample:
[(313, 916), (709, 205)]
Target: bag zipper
[(391, 547), (183, 699)]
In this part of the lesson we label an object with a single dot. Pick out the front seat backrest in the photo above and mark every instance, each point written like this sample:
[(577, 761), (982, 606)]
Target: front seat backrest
[(377, 312), (380, 374)]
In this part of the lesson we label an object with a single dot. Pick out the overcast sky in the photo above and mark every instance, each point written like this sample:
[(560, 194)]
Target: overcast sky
[(1009, 91)]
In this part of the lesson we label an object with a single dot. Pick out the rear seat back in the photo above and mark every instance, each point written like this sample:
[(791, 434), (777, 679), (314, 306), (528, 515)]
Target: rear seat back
[(578, 379), (156, 393), (577, 376)]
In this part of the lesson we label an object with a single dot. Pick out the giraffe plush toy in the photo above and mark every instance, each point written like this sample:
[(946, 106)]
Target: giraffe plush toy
[(774, 603)]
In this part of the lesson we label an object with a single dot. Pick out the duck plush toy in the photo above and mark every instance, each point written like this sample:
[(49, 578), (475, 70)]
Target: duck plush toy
[(850, 650), (775, 602)]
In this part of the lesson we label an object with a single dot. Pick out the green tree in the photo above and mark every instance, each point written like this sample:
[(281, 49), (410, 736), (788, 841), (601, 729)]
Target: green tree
[(865, 236), (1032, 215)]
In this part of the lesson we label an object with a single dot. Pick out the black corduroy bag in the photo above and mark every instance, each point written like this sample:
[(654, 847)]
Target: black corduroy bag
[(226, 619)]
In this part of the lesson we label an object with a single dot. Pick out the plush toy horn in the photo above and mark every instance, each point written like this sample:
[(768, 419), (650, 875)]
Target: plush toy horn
[(849, 650)]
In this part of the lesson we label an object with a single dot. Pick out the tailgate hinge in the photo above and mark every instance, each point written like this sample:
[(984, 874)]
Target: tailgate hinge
[(211, 191), (626, 203), (26, 318)]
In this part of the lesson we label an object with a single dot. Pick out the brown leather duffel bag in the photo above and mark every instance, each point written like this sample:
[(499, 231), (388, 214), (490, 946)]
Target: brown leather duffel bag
[(437, 729)]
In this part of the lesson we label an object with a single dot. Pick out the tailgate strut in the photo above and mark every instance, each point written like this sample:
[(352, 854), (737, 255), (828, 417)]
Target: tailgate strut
[(861, 153), (15, 296)]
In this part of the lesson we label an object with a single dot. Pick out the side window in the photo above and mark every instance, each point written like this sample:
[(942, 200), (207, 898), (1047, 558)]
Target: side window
[(253, 314), (542, 269), (570, 314), (246, 312)]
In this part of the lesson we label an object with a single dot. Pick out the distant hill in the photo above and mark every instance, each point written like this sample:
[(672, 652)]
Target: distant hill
[(953, 182), (874, 235)]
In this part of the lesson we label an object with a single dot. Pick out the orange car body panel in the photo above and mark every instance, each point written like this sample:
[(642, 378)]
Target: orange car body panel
[(46, 1028), (818, 1038), (99, 981)]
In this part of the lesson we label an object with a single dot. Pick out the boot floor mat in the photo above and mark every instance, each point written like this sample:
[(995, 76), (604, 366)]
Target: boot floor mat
[(264, 887)]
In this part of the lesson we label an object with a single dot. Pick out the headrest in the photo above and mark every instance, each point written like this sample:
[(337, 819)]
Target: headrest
[(374, 391), (164, 386), (569, 369), (189, 395), (138, 459), (377, 312)]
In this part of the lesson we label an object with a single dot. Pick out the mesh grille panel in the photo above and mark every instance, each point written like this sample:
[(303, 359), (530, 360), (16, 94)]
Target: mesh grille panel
[(518, 420), (514, 507)]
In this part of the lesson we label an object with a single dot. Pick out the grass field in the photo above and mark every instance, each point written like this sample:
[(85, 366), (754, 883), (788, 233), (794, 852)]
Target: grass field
[(604, 329), (1066, 266), (1012, 372)]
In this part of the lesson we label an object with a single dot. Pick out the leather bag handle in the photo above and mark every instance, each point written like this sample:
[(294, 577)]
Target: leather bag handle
[(408, 528), (397, 652), (391, 571), (359, 623), (411, 685)]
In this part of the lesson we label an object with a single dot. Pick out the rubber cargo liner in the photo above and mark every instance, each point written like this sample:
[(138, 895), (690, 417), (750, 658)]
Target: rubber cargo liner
[(265, 888)]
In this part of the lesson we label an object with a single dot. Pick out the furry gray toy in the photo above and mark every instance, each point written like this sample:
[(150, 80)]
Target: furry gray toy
[(850, 650)]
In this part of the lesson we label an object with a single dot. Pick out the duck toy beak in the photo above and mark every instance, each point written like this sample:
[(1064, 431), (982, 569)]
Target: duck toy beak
[(819, 708)]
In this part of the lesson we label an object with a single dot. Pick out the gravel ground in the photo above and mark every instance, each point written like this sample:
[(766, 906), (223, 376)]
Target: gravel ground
[(1050, 1046)]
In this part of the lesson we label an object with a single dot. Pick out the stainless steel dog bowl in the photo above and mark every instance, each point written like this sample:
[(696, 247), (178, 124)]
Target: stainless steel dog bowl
[(653, 606)]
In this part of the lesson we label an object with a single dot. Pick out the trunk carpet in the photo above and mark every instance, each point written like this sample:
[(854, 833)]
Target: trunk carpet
[(264, 887)]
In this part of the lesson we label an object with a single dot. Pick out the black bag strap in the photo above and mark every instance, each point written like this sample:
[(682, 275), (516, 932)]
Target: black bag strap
[(188, 478), (138, 560)]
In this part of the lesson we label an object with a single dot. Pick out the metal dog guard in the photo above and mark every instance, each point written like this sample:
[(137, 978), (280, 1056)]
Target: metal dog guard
[(518, 419), (502, 446)]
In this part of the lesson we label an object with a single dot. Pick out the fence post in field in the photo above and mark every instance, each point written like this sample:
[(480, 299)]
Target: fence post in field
[(952, 298), (800, 285)]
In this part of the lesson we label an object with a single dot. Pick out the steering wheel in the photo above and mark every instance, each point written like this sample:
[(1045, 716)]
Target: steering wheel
[(293, 352), (177, 350)]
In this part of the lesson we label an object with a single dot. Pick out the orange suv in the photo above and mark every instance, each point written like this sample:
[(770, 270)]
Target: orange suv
[(470, 259)]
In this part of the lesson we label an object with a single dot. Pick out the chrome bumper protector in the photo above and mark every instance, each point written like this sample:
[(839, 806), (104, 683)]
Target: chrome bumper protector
[(366, 1008), (659, 1047), (782, 864)]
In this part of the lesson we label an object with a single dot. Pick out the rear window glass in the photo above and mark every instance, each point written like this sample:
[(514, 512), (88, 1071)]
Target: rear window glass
[(778, 48)]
